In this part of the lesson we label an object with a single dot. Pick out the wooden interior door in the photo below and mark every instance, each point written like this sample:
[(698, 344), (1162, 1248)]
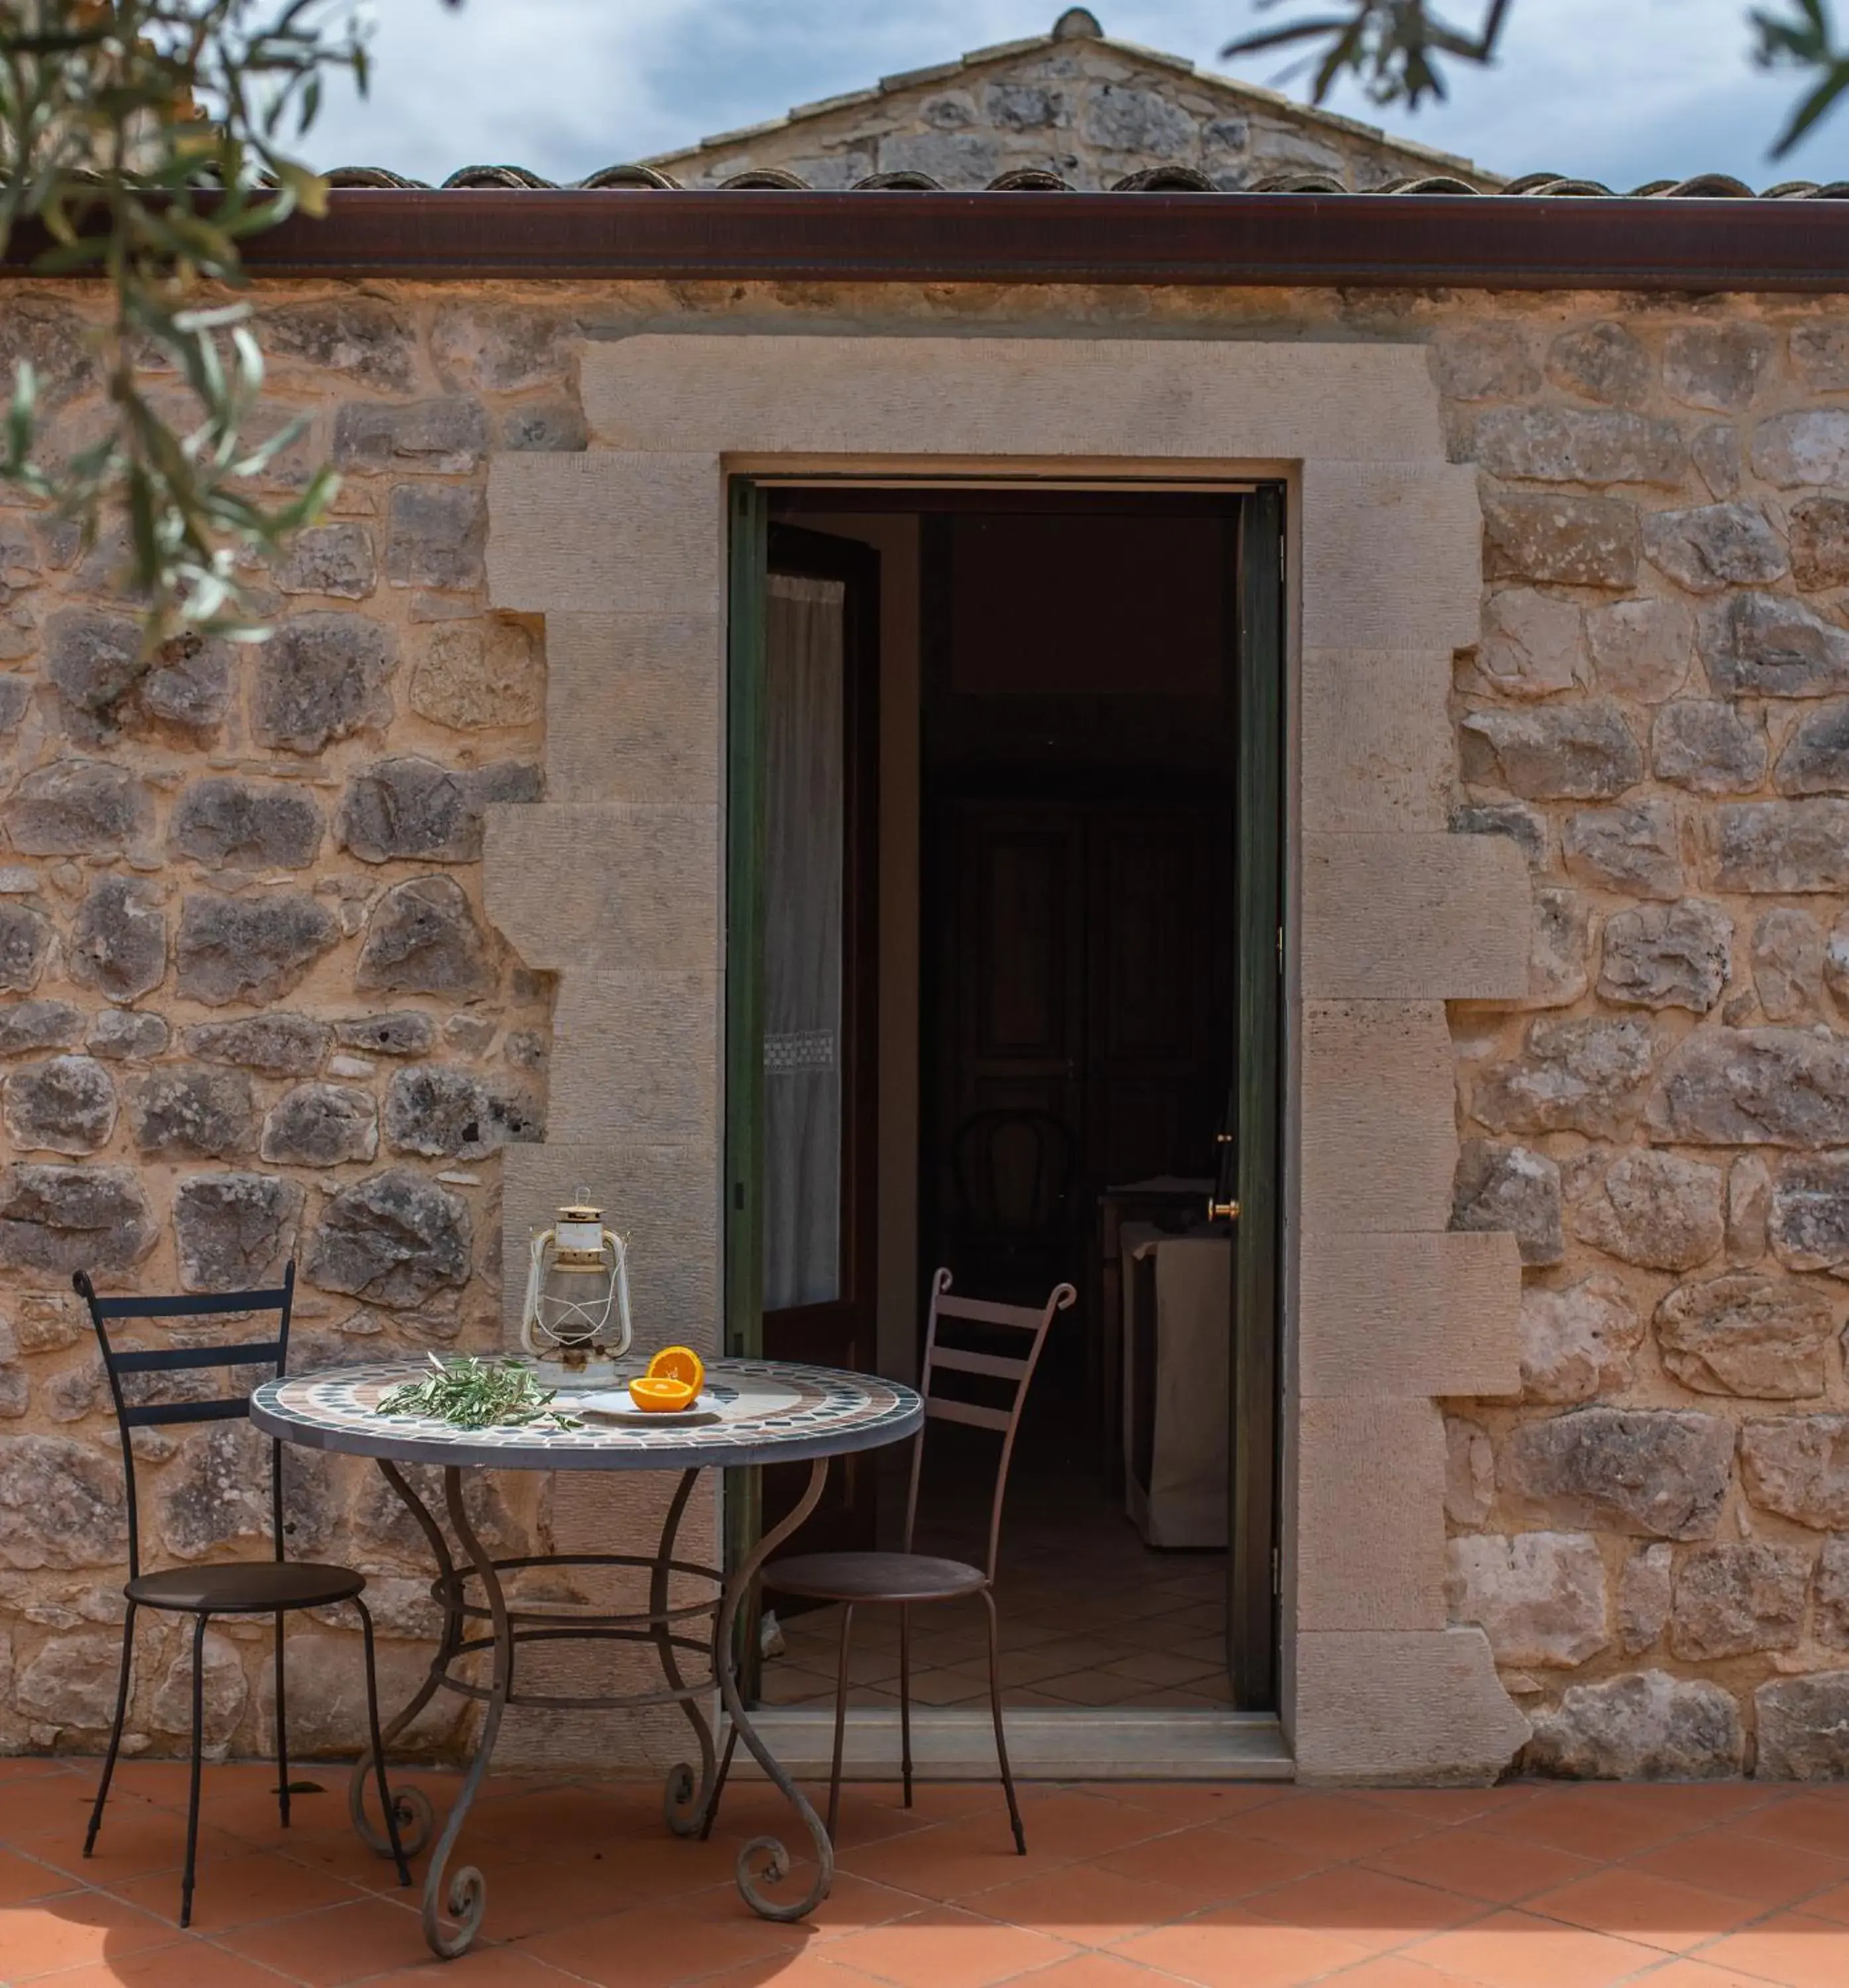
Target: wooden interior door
[(819, 1071), (1084, 977)]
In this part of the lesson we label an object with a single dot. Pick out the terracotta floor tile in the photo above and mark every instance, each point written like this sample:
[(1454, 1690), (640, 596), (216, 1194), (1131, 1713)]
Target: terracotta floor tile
[(944, 1866), (1087, 1904), (136, 1838), (480, 1967), (1332, 1826), (944, 1948), (1792, 1948), (1811, 1821), (238, 1890), (1394, 1970), (192, 1963), (1578, 1819), (656, 1946), (1832, 1904), (1216, 1864), (1099, 1970), (1442, 1806), (1234, 1950), (23, 1878), (1634, 1905), (810, 1969), (1517, 1950), (1499, 1870), (1366, 1907), (1700, 1974), (1754, 1867), (1067, 1822), (336, 1944), (1179, 1804), (72, 1929)]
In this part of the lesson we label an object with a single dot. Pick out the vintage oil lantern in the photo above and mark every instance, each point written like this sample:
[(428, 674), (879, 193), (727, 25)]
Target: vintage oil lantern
[(577, 1281)]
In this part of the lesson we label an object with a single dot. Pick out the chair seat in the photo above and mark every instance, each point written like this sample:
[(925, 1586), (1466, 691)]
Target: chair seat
[(245, 1586), (874, 1576)]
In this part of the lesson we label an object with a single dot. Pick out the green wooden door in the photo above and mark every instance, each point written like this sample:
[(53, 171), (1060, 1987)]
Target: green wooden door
[(1250, 1170)]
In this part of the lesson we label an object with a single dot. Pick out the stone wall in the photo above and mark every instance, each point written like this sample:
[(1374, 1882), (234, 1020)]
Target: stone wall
[(252, 1003), (250, 1006), (1091, 110), (1656, 1537)]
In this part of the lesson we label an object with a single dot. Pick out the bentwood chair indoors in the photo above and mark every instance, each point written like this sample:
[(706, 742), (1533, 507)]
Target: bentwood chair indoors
[(276, 1587), (905, 1580)]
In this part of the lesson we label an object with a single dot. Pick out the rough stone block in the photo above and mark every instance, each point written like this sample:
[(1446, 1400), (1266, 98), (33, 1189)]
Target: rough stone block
[(262, 826), (1732, 1601), (424, 938), (1655, 1209), (1511, 1188), (1587, 1075), (1539, 1597), (255, 949), (1652, 1473), (1746, 1334), (1648, 1726), (1802, 1725), (119, 942)]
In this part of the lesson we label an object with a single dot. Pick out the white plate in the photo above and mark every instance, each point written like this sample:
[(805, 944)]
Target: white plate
[(612, 1404)]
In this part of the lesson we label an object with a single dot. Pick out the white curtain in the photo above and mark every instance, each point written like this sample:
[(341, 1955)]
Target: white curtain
[(803, 858)]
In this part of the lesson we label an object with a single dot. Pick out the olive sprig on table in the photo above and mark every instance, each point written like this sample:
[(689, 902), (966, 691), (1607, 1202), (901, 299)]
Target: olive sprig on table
[(475, 1394)]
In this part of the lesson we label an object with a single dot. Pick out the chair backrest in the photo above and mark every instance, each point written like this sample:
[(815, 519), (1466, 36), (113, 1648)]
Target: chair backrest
[(1012, 1170), (1014, 1370), (141, 1414)]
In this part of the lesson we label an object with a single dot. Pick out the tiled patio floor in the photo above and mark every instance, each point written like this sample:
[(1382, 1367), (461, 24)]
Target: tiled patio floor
[(1238, 1887)]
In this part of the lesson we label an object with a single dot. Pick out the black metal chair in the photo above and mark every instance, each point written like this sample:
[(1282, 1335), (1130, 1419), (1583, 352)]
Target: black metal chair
[(275, 1587), (904, 1579)]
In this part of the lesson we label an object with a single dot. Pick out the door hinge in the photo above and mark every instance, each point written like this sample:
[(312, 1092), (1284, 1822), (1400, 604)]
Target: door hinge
[(1280, 952), (1277, 1572)]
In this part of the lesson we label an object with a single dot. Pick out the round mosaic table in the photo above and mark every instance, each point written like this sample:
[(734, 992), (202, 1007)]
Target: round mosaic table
[(752, 1411)]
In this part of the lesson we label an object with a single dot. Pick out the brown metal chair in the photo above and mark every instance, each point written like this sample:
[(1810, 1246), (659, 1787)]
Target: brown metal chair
[(904, 1579), (276, 1587)]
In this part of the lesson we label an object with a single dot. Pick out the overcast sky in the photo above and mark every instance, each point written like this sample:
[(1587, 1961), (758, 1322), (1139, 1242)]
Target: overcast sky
[(1618, 90)]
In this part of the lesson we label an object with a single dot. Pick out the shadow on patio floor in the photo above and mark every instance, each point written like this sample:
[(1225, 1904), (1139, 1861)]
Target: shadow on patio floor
[(1530, 1886)]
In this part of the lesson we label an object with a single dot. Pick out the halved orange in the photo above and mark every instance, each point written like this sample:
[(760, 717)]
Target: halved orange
[(661, 1394), (678, 1363)]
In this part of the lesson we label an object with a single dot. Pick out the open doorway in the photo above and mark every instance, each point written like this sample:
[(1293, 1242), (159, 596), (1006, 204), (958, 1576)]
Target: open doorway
[(1005, 815)]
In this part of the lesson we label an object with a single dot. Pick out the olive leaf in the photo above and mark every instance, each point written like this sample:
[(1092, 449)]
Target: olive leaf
[(141, 141), (476, 1393)]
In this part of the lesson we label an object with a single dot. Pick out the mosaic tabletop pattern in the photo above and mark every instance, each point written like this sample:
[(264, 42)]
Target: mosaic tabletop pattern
[(750, 1411)]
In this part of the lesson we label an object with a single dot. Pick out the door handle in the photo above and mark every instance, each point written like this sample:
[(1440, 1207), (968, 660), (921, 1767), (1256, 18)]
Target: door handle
[(1221, 1210)]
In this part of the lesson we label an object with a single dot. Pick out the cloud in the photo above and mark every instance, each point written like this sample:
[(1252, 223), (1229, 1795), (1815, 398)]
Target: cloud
[(1649, 89)]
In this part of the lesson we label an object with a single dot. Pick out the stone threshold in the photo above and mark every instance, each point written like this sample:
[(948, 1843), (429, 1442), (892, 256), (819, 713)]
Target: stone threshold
[(957, 1744)]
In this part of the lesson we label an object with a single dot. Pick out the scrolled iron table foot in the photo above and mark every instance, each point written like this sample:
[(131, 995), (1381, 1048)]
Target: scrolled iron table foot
[(776, 1867)]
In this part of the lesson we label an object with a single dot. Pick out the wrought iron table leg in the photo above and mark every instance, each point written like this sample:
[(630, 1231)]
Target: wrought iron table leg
[(684, 1800), (777, 1869), (410, 1806), (464, 1898)]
